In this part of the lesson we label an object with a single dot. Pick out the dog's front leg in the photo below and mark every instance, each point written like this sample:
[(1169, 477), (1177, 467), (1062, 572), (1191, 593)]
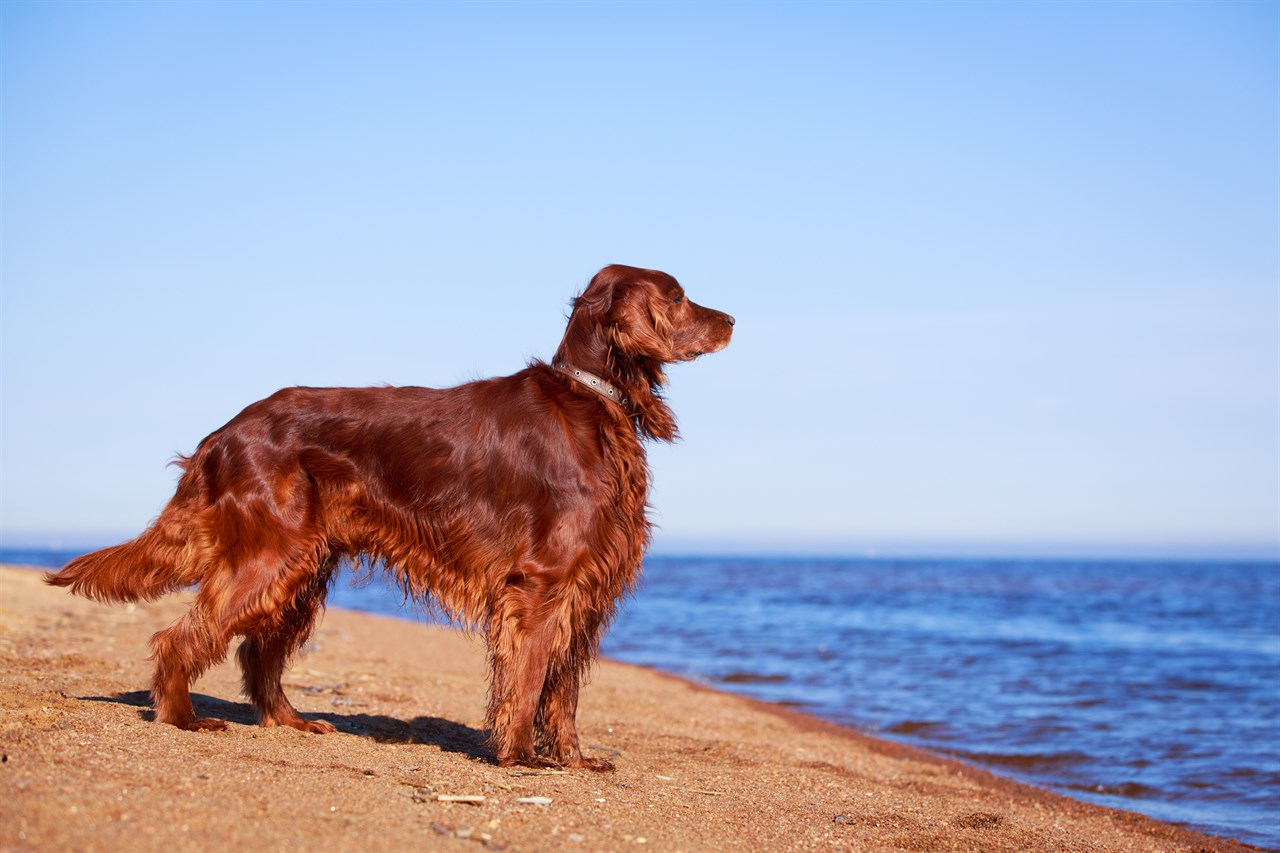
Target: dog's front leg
[(556, 720), (521, 634)]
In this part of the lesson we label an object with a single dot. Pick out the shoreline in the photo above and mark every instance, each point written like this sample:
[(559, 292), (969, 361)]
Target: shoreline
[(697, 768)]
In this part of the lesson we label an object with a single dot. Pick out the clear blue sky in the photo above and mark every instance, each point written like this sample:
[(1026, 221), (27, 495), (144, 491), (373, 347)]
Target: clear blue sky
[(1006, 275)]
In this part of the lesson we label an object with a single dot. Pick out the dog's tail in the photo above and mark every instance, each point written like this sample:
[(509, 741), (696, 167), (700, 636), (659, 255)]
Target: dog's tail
[(169, 555)]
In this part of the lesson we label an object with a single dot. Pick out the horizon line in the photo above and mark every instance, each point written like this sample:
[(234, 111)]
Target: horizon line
[(869, 549)]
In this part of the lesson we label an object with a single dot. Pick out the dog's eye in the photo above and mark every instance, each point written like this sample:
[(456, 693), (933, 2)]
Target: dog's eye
[(678, 300)]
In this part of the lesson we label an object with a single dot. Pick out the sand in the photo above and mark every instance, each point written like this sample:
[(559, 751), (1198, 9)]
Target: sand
[(84, 769)]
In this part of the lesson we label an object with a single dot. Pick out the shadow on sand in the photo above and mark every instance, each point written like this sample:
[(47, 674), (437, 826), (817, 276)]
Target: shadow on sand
[(447, 735)]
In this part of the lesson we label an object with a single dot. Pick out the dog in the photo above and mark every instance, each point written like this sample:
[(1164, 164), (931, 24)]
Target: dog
[(517, 505)]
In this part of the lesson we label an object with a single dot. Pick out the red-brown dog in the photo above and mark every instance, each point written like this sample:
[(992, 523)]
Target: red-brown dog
[(516, 504)]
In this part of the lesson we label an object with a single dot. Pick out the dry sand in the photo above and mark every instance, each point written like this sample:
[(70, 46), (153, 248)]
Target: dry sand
[(84, 769)]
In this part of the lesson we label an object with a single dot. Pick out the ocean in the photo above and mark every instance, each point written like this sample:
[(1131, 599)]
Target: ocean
[(1147, 686)]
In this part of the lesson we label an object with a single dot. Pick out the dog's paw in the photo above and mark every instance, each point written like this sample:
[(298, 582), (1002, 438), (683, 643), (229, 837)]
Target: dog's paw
[(529, 759), (206, 724), (318, 727)]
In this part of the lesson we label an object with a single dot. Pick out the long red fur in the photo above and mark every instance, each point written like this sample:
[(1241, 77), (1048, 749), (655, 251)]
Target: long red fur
[(517, 504)]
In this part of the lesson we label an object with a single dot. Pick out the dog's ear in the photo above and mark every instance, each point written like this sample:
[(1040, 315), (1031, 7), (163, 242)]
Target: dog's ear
[(639, 324), (639, 331)]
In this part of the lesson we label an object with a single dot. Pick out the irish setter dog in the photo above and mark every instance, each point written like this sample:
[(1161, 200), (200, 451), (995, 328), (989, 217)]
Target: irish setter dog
[(517, 505)]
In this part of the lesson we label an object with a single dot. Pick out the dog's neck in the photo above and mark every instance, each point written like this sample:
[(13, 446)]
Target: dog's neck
[(637, 380), (595, 383)]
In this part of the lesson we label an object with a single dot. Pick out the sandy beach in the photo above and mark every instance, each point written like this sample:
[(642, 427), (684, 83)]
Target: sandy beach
[(84, 769)]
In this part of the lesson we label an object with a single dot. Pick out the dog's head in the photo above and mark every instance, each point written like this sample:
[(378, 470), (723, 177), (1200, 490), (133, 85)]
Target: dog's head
[(627, 324), (646, 314)]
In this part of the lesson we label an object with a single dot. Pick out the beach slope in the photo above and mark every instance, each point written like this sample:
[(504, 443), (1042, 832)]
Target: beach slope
[(84, 769)]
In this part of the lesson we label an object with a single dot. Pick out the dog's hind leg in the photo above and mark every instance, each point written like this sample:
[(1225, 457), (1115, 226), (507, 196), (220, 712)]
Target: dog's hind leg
[(244, 592), (181, 653), (264, 654)]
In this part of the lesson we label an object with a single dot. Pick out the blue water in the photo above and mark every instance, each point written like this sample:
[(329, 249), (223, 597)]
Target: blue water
[(1152, 687)]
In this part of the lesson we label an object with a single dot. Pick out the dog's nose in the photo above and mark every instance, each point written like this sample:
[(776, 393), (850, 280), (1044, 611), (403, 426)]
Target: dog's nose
[(728, 318)]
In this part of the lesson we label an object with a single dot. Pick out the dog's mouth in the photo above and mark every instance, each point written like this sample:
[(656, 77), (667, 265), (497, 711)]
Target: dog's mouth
[(690, 355), (711, 333), (705, 346)]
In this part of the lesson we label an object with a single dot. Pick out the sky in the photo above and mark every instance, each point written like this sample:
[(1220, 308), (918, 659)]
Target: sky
[(1006, 275)]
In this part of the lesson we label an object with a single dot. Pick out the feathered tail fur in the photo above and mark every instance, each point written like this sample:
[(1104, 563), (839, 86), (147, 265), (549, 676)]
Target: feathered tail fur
[(166, 557)]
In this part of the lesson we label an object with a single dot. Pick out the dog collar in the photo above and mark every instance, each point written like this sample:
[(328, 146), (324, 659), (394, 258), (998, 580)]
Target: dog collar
[(595, 383)]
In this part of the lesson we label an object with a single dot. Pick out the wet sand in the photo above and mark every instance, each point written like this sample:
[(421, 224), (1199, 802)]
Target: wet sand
[(84, 769)]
